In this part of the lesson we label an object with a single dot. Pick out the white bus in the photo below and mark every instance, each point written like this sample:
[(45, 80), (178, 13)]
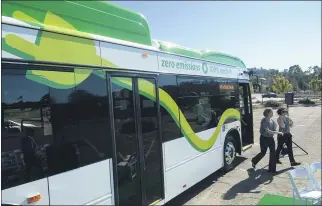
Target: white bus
[(95, 111)]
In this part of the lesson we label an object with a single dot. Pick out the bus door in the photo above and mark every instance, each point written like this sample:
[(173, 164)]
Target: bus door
[(246, 113), (137, 154)]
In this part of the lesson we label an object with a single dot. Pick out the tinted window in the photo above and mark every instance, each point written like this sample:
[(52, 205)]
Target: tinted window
[(80, 125), (170, 129), (151, 146), (46, 131), (225, 97), (26, 130), (126, 145), (93, 109), (194, 102), (197, 86)]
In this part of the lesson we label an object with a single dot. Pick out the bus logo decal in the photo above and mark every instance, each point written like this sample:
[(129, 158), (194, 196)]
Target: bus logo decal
[(204, 68)]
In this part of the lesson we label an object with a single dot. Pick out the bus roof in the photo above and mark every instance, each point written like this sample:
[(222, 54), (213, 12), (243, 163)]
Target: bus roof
[(108, 20)]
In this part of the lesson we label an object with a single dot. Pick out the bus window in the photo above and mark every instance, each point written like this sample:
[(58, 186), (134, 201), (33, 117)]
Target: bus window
[(80, 125), (92, 108), (225, 97), (25, 130), (194, 102), (170, 129)]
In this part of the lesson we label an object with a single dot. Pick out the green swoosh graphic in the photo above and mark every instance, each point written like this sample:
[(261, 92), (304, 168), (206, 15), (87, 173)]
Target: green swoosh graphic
[(147, 89)]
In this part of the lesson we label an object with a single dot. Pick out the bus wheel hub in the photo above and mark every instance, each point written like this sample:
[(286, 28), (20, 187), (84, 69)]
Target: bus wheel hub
[(230, 153)]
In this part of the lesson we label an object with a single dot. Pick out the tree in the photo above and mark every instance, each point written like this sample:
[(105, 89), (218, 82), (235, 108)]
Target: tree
[(299, 78), (281, 85), (316, 84), (295, 75), (315, 70)]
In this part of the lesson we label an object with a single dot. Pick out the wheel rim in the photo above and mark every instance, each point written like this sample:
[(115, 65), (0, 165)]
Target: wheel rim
[(230, 153)]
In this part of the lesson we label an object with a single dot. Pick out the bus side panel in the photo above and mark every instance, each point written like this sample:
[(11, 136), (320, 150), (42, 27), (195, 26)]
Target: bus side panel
[(183, 163), (185, 166), (118, 56), (18, 195), (86, 185), (186, 175), (180, 150)]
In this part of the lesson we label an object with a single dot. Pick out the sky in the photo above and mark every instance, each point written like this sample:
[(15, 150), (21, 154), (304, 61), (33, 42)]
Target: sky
[(268, 34)]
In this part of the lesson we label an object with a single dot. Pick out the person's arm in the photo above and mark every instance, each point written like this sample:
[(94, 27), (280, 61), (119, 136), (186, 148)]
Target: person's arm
[(272, 132), (265, 125), (291, 122)]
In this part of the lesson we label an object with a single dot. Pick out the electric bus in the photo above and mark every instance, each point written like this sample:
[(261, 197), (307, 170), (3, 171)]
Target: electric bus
[(97, 112)]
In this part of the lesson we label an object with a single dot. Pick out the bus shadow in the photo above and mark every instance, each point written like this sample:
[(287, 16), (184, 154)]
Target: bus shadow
[(201, 186)]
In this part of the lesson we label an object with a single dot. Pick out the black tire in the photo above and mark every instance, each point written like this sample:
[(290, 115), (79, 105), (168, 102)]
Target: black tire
[(229, 142)]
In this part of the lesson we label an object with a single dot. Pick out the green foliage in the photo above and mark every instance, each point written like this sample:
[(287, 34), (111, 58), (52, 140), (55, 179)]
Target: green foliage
[(272, 103), (281, 85), (306, 101), (298, 77), (316, 84)]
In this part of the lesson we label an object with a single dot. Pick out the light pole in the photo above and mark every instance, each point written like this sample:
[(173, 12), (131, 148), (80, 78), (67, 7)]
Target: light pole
[(257, 83), (261, 85)]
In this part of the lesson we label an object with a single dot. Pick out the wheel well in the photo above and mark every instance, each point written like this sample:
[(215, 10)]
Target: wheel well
[(235, 134)]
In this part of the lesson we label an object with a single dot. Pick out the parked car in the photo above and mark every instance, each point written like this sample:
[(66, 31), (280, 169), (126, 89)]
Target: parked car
[(15, 127), (269, 95)]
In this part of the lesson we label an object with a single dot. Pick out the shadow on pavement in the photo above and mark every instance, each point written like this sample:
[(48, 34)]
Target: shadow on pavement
[(201, 186), (255, 178)]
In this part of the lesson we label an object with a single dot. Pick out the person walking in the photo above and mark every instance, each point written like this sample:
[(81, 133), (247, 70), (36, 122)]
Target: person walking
[(285, 123), (267, 131)]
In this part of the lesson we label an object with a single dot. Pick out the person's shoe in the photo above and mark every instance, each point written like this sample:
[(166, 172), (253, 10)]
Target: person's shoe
[(295, 163), (253, 165), (278, 162)]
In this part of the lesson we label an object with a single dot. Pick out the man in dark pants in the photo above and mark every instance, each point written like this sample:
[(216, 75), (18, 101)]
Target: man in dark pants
[(285, 123)]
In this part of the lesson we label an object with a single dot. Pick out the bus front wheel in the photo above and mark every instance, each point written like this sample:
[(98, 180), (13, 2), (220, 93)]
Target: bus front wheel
[(229, 153)]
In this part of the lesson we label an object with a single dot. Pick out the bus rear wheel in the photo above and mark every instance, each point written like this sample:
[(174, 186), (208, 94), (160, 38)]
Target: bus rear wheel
[(229, 153)]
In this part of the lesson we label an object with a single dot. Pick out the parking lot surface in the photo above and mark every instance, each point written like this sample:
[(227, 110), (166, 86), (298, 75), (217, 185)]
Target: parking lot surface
[(244, 186)]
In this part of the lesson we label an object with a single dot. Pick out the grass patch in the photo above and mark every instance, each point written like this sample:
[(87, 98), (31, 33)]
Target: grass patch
[(306, 101), (270, 199), (272, 103)]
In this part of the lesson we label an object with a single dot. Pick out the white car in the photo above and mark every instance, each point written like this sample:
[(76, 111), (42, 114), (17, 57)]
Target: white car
[(12, 124)]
